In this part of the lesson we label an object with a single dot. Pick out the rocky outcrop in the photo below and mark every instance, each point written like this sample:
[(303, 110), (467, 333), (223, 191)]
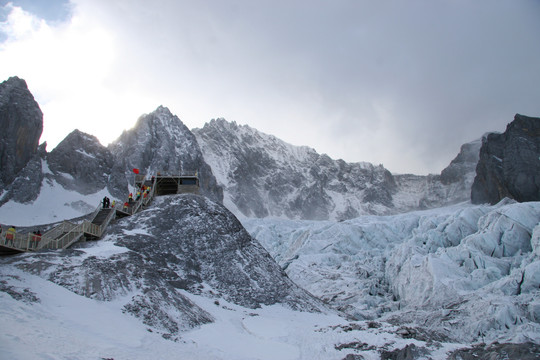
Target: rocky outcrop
[(509, 164), (452, 186), (81, 163), (26, 186), (21, 122), (160, 143), (463, 165)]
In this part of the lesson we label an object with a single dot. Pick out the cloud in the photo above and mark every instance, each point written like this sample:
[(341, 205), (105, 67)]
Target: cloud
[(403, 84)]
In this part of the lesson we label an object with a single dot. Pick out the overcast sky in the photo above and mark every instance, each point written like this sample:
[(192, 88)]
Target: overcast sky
[(398, 83)]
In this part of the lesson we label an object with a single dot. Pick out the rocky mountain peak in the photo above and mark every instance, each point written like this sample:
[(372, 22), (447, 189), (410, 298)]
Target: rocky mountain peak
[(81, 163), (509, 164), (21, 121), (161, 143), (463, 164), (265, 176)]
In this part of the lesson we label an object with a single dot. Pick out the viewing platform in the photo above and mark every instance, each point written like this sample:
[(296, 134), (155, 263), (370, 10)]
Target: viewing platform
[(67, 233)]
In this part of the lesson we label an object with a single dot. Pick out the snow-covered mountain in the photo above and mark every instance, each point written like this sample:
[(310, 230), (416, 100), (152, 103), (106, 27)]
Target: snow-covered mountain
[(184, 279), (263, 176), (184, 242), (68, 182), (255, 174), (373, 278), (160, 142)]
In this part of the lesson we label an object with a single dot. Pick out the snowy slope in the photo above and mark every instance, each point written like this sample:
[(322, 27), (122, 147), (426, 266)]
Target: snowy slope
[(54, 203), (468, 273), (42, 320)]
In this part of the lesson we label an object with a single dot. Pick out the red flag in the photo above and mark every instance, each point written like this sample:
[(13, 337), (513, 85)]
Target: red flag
[(136, 171)]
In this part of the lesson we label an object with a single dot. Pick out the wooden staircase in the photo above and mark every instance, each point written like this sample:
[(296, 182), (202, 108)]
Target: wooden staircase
[(67, 233)]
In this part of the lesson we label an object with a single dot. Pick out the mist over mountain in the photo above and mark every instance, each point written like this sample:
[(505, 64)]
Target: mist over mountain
[(263, 176)]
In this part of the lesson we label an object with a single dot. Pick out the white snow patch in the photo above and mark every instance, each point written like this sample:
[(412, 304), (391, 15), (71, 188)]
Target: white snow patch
[(53, 204)]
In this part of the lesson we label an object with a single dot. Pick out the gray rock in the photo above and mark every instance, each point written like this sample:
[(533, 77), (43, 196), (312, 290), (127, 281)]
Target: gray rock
[(409, 352), (26, 186), (160, 142), (509, 164), (264, 176), (189, 244), (463, 164), (81, 163), (525, 351), (21, 122)]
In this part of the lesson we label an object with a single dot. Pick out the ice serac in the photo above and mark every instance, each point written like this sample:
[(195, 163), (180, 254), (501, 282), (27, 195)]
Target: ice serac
[(182, 244), (263, 176), (509, 164), (21, 122), (467, 272), (81, 163), (160, 142)]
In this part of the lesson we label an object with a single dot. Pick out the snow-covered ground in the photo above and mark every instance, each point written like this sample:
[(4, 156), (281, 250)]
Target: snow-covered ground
[(441, 279), (53, 204), (49, 322)]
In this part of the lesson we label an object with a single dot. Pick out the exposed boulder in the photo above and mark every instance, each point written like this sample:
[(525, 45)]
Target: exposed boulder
[(21, 122), (509, 164)]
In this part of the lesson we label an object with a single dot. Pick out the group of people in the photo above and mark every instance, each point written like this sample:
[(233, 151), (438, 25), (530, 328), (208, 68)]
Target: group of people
[(143, 191), (35, 238), (11, 233)]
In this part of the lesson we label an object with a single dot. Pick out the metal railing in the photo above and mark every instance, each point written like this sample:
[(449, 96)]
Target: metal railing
[(66, 233)]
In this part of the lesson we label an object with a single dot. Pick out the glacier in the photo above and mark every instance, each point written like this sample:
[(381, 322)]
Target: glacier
[(467, 273)]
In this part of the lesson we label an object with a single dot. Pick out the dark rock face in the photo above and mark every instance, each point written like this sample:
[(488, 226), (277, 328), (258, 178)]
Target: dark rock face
[(509, 164), (21, 122), (183, 243), (160, 142), (84, 160), (27, 185), (202, 242), (525, 351)]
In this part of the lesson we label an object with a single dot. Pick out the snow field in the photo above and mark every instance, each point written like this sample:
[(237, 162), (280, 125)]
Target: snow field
[(54, 323)]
